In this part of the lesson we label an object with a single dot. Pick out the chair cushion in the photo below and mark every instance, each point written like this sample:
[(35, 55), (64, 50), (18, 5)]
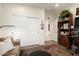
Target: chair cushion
[(6, 46)]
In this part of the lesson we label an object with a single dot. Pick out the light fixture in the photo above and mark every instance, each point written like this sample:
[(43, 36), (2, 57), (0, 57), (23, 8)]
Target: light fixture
[(56, 5)]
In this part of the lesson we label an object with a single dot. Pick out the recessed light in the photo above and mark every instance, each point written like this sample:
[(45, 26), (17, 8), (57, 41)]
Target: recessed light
[(56, 5)]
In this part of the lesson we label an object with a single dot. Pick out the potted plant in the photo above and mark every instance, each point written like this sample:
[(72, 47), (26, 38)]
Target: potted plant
[(64, 14)]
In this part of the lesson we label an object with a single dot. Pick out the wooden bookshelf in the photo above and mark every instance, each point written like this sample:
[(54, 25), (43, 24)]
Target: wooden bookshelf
[(64, 39)]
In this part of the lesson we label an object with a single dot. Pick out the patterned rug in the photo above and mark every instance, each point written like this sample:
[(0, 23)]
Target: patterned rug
[(58, 50), (54, 50)]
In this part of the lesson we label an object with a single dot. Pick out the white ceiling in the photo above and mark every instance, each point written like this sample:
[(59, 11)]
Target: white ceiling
[(49, 6)]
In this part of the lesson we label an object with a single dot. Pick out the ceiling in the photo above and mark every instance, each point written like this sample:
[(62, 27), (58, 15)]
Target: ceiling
[(49, 6)]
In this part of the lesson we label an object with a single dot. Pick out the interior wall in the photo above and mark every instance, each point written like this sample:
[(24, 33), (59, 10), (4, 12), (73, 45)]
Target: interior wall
[(49, 15), (52, 34), (12, 13), (73, 9), (0, 13)]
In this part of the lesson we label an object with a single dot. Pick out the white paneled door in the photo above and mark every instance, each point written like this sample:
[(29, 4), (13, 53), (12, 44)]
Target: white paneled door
[(28, 30)]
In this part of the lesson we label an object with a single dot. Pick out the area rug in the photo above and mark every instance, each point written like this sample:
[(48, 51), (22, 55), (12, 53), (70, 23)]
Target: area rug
[(58, 50), (54, 50)]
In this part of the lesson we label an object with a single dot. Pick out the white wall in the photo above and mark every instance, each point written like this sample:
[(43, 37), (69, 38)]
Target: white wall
[(48, 21), (0, 13), (73, 9), (52, 34), (12, 13)]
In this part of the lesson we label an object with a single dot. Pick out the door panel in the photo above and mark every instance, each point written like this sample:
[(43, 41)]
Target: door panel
[(28, 30)]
